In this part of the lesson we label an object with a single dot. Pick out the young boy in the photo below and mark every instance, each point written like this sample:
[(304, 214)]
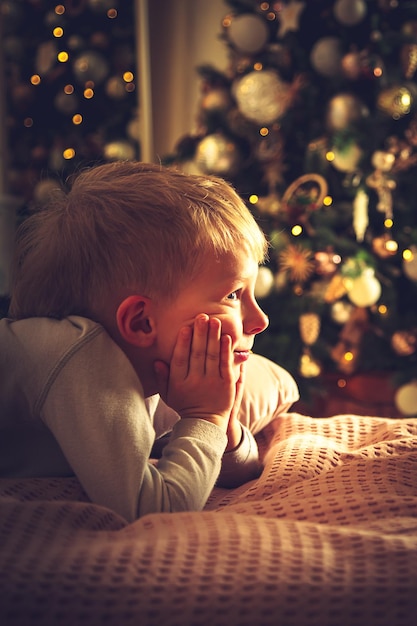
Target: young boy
[(133, 315)]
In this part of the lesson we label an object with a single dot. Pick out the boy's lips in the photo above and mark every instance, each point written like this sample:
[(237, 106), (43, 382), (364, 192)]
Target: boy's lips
[(242, 355)]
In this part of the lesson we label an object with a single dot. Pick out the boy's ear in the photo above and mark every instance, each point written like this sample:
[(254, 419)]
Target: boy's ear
[(134, 321)]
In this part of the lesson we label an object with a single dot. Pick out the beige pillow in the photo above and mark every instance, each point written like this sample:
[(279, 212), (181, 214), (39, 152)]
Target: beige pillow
[(269, 391)]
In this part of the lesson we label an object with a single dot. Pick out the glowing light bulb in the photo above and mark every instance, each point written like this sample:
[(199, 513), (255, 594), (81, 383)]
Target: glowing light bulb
[(68, 153)]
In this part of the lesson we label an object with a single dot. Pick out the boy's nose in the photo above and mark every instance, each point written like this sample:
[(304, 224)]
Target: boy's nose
[(257, 322)]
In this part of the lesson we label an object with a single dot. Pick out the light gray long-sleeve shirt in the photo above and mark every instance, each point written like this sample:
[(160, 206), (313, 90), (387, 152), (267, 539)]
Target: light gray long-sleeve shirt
[(71, 403)]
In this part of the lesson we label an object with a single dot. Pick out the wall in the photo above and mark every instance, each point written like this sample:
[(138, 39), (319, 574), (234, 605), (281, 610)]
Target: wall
[(183, 35)]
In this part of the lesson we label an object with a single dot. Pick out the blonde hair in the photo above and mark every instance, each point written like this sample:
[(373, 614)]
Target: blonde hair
[(126, 225)]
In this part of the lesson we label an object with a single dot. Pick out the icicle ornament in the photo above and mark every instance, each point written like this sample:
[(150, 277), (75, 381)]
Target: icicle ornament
[(360, 214)]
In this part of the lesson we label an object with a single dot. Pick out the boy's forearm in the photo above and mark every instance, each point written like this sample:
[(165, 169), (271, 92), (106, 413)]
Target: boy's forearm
[(240, 464), (234, 434)]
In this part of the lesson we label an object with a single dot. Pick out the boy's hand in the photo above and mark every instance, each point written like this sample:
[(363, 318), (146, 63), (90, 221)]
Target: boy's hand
[(234, 428), (200, 380)]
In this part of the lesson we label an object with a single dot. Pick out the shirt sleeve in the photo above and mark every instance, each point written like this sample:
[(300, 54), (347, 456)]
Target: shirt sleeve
[(94, 405)]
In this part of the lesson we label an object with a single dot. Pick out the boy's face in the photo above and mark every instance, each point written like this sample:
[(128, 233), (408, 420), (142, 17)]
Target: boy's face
[(223, 289)]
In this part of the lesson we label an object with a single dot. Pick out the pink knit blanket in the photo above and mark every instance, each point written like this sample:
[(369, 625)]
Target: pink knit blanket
[(327, 535)]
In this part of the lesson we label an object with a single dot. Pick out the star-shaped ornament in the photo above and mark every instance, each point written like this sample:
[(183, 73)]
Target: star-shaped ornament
[(289, 16)]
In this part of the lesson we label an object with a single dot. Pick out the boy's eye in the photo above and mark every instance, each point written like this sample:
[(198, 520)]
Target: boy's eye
[(232, 296)]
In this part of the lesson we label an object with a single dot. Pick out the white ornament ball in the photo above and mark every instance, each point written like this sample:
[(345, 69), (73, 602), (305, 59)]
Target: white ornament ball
[(217, 99), (341, 311), (191, 167), (410, 265), (262, 97), (326, 56), (216, 154), (264, 282), (349, 12), (90, 66), (406, 398), (348, 159), (248, 33), (102, 6), (116, 88), (45, 190), (133, 128), (365, 289), (119, 151), (66, 103)]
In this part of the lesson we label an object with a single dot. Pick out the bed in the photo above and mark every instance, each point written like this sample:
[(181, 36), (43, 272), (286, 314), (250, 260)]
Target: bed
[(327, 535)]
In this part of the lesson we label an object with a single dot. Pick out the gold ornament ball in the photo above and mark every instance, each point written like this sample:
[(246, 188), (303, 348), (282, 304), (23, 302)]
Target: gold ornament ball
[(384, 246), (404, 342), (397, 101), (409, 59), (343, 110), (309, 366), (410, 264), (410, 29), (351, 65)]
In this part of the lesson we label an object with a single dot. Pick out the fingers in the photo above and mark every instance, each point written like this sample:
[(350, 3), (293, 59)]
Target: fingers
[(181, 354), (211, 352), (201, 381), (239, 392), (226, 356), (200, 344), (202, 350)]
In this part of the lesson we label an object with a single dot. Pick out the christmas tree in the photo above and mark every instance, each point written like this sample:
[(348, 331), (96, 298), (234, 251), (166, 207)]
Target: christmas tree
[(70, 90), (315, 124)]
